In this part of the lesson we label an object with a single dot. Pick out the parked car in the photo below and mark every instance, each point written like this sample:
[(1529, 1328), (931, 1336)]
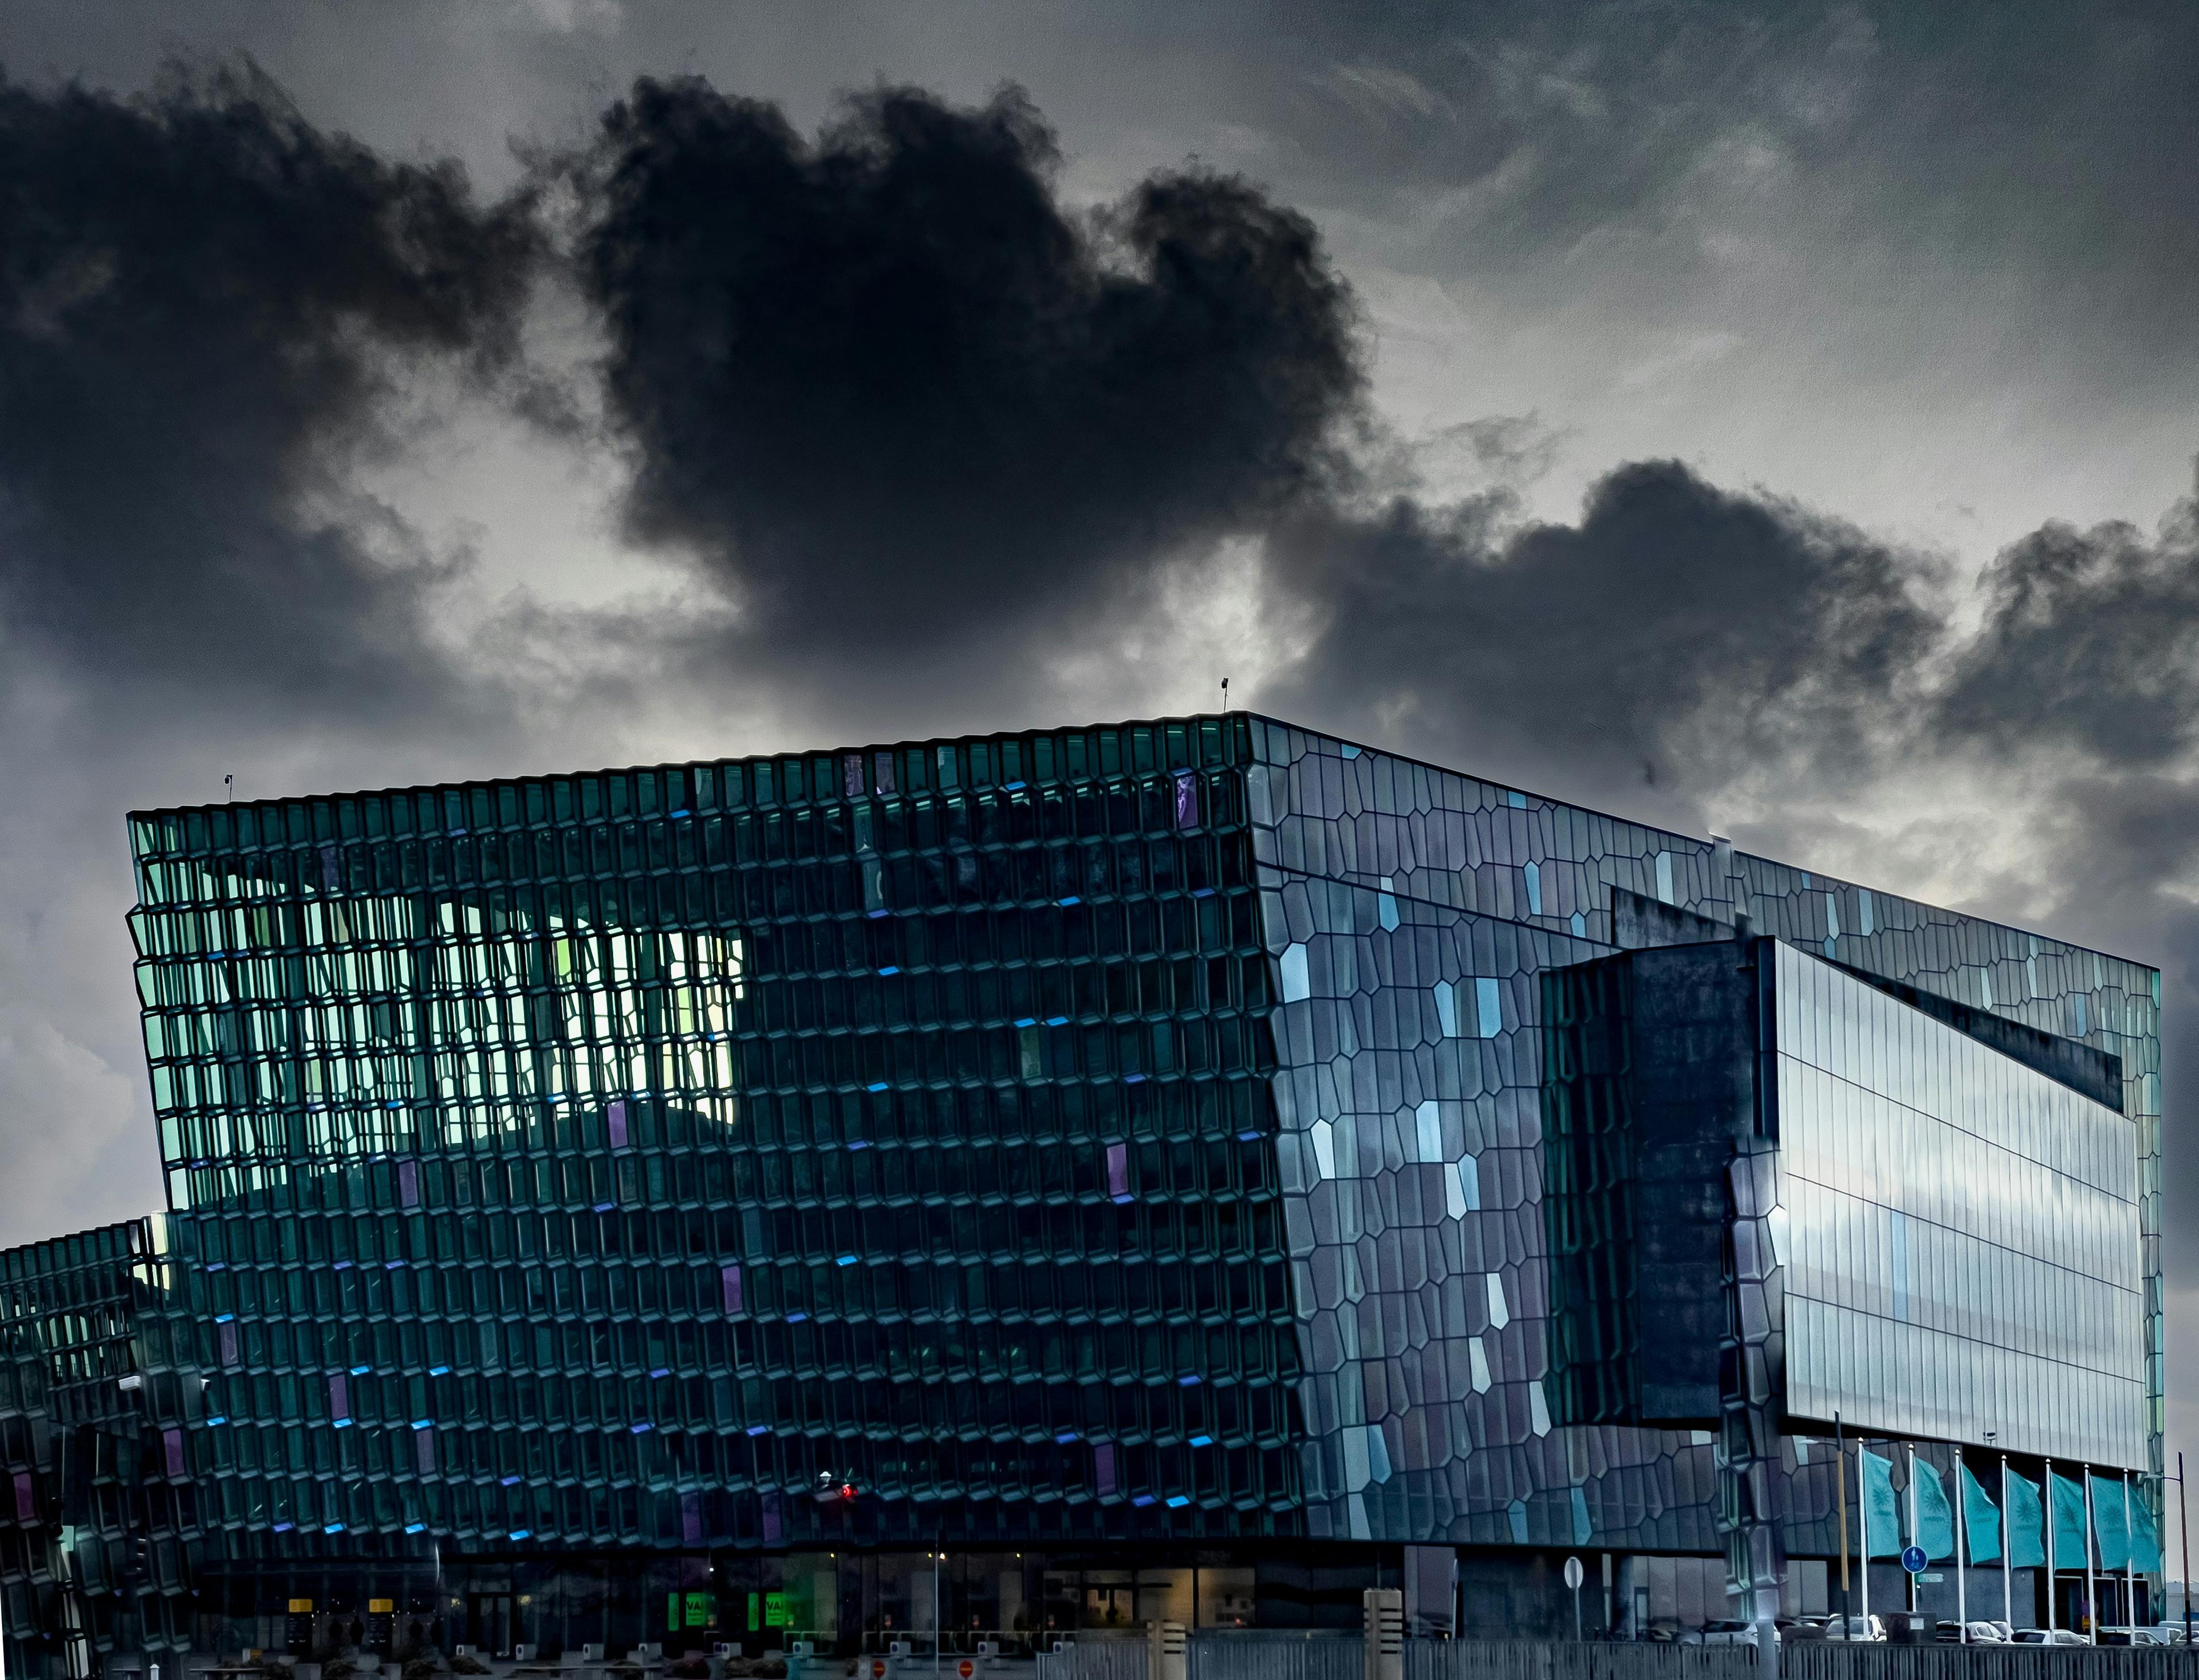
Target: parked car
[(1980, 1633), (1802, 1629), (2048, 1636), (1855, 1627), (2159, 1635), (1728, 1633)]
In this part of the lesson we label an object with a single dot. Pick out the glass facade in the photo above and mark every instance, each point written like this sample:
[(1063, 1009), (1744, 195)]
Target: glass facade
[(636, 1158), (96, 1507), (1963, 1234), (1104, 1150)]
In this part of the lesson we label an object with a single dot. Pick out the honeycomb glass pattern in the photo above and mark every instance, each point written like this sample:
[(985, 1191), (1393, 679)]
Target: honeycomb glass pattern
[(95, 1510), (1410, 912), (1111, 1136), (851, 1147)]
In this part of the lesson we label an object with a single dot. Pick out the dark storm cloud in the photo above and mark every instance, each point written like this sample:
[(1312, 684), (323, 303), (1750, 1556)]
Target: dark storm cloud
[(2090, 642), (1677, 628), (205, 304), (902, 401), (892, 389)]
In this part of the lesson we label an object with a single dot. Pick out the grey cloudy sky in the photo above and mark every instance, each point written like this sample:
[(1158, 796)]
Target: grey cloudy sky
[(1776, 419)]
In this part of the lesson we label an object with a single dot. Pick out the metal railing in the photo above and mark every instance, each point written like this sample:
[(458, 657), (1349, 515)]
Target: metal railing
[(1258, 1654), (1276, 1655), (1549, 1660), (1836, 1661)]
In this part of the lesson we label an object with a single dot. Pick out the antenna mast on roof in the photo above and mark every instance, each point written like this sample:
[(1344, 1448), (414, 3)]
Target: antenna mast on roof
[(1225, 694), (230, 782)]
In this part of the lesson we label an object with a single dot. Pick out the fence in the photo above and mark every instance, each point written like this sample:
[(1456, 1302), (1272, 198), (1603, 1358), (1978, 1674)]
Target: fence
[(1988, 1662), (1336, 1656), (1278, 1656), (1097, 1659), (1543, 1660)]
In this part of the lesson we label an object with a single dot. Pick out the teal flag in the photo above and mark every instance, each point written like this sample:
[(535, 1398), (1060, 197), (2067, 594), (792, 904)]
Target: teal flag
[(1980, 1521), (2110, 1524), (2145, 1539), (2026, 1527), (1881, 1515), (1935, 1517), (2068, 1522)]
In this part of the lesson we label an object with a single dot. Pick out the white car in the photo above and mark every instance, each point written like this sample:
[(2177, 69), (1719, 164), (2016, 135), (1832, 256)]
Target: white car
[(2048, 1636), (1857, 1629)]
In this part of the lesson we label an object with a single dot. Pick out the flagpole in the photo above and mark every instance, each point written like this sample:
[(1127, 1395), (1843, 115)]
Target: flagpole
[(1962, 1559), (2091, 1549), (1863, 1528), (2130, 1559), (2046, 1487), (2007, 1545)]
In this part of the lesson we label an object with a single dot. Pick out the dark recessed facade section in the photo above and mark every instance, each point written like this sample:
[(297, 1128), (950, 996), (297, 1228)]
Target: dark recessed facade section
[(1649, 1088), (1637, 921)]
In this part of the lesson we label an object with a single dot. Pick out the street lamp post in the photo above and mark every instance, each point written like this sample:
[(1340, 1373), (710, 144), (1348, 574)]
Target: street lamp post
[(2184, 1522), (1841, 1490), (2184, 1528), (1914, 1539)]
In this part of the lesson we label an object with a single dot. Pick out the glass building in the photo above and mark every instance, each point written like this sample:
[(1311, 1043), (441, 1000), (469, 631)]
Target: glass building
[(982, 1189)]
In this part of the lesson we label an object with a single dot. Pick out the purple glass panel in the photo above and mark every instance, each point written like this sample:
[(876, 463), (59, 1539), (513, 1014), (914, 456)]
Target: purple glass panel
[(1103, 1469), (172, 1440), (26, 1498), (331, 878), (1118, 1171), (884, 783), (423, 1450), (691, 1519), (731, 1277), (228, 1357), (408, 1184), (771, 1535), (339, 1395), (1186, 802), (614, 1118), (851, 774)]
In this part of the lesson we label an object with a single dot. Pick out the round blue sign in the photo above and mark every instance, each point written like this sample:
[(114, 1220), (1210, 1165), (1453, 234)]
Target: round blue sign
[(1913, 1559)]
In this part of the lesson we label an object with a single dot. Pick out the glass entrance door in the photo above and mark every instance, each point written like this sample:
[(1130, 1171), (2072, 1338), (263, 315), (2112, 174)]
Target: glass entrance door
[(489, 1622)]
